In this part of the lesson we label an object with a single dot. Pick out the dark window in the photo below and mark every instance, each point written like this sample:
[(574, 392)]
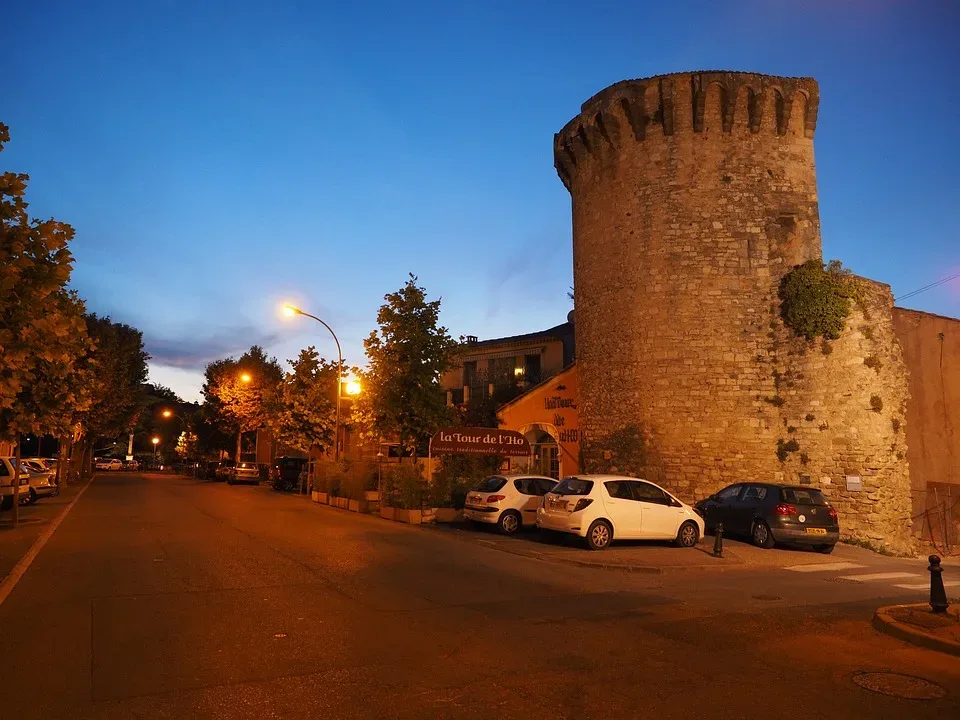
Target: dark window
[(491, 484), (545, 486), (730, 493), (573, 486), (470, 373), (645, 492), (531, 368), (3, 470), (525, 486), (798, 496), (754, 494), (619, 489)]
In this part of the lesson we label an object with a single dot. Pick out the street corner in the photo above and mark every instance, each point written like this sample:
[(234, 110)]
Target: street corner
[(918, 625)]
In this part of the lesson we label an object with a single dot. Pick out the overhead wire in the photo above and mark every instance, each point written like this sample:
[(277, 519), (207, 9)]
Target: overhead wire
[(927, 287)]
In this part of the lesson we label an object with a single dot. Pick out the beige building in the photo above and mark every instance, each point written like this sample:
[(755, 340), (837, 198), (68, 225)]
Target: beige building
[(503, 368)]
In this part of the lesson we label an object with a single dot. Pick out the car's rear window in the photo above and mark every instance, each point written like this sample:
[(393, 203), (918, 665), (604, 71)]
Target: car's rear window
[(291, 463), (799, 496), (491, 484), (573, 486)]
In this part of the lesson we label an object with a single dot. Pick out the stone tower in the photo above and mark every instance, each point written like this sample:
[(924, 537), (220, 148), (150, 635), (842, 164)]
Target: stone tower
[(692, 195)]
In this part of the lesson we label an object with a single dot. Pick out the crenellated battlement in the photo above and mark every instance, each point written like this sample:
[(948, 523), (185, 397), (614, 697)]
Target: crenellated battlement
[(704, 103)]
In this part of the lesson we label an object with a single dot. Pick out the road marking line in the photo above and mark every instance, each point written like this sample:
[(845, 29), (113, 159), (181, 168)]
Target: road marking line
[(926, 586), (870, 577), (10, 582), (824, 567)]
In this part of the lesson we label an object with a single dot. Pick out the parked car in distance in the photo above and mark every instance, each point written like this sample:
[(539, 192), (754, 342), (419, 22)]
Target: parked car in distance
[(224, 469), (42, 479), (207, 469), (131, 465), (768, 513), (285, 472), (507, 501), (601, 508), (244, 472), (6, 484), (109, 464)]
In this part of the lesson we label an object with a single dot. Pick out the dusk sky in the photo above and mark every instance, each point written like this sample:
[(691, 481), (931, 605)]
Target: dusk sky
[(217, 158)]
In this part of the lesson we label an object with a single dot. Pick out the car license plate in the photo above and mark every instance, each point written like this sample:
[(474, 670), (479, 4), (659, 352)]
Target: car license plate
[(816, 531)]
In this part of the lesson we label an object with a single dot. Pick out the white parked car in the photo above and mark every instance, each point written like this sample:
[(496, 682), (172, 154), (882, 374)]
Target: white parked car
[(109, 464), (601, 508), (42, 479), (507, 501), (6, 484)]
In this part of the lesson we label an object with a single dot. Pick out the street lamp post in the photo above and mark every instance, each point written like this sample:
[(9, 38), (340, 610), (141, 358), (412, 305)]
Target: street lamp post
[(155, 441), (290, 311)]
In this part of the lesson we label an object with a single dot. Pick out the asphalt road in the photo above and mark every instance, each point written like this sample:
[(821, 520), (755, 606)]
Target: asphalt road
[(166, 597)]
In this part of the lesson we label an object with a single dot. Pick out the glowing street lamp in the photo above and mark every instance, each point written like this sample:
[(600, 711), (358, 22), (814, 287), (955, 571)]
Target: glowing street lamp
[(155, 441), (290, 311), (353, 388), (246, 377)]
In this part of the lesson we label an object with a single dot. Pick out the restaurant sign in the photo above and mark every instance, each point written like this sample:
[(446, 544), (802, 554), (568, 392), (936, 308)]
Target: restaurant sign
[(479, 441)]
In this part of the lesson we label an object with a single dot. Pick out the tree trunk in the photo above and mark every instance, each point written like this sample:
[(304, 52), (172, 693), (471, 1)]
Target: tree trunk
[(239, 435), (62, 460), (16, 482)]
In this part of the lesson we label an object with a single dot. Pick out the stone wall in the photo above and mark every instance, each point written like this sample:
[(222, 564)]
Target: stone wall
[(931, 348), (692, 195)]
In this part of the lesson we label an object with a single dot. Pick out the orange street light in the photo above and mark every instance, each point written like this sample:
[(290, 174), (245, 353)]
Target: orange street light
[(290, 311), (155, 441), (246, 377), (167, 413), (353, 388)]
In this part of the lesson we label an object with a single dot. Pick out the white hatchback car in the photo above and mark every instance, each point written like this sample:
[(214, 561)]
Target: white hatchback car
[(601, 508), (507, 501)]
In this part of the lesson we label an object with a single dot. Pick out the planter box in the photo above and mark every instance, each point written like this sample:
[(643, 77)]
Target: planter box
[(322, 498), (411, 517), (342, 503), (448, 515), (359, 506), (315, 496), (371, 495), (387, 513)]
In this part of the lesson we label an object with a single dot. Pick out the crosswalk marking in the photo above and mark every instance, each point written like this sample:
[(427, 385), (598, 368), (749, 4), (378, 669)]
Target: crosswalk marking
[(926, 586), (869, 577), (824, 567)]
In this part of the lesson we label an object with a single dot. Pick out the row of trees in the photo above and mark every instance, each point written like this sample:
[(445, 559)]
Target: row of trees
[(63, 371), (401, 397)]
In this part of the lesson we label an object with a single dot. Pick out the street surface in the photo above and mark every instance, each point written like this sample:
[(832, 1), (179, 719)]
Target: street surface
[(168, 597)]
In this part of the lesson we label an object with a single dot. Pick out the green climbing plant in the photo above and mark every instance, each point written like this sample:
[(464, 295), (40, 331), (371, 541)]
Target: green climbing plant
[(815, 299)]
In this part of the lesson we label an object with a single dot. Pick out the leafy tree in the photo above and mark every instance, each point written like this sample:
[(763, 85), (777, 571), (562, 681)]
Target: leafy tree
[(305, 414), (186, 445), (406, 358), (42, 332), (242, 393), (119, 373)]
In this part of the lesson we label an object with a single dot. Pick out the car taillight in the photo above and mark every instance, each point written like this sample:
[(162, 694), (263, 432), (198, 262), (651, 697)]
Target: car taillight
[(785, 509), (833, 513), (495, 498), (581, 504)]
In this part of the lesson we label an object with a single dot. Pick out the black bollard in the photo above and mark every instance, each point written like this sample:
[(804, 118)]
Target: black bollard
[(938, 595), (718, 541)]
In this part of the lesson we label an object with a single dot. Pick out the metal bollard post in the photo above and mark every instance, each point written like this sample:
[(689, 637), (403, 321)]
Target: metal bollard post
[(718, 541), (938, 595)]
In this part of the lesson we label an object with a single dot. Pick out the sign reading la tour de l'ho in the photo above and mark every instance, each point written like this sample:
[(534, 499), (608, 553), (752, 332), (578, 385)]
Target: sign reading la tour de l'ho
[(479, 441)]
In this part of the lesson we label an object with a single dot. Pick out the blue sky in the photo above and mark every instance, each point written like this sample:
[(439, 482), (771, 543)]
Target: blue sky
[(218, 158)]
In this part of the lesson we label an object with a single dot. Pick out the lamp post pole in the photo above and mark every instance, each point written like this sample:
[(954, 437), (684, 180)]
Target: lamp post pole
[(336, 442)]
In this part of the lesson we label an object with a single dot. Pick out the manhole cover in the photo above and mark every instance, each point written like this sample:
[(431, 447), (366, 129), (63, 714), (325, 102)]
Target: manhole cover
[(898, 685), (766, 597)]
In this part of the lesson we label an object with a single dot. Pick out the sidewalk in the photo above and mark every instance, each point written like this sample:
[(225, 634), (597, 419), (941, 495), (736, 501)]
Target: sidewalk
[(34, 519), (651, 556), (918, 625)]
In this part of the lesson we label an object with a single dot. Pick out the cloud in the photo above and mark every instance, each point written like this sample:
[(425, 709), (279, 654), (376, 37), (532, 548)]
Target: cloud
[(193, 351)]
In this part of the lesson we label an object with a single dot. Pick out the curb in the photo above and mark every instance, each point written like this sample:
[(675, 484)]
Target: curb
[(885, 623)]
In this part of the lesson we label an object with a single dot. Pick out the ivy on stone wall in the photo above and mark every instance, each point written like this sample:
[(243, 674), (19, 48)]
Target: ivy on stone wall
[(623, 451), (815, 299)]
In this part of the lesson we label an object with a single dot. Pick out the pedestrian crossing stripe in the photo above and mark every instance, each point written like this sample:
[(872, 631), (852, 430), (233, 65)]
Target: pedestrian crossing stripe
[(824, 567), (926, 586), (870, 577)]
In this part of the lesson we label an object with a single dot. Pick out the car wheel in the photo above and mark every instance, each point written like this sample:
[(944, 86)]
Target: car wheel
[(599, 535), (688, 535), (229, 481), (825, 549), (32, 498), (509, 522), (761, 535), (6, 502)]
